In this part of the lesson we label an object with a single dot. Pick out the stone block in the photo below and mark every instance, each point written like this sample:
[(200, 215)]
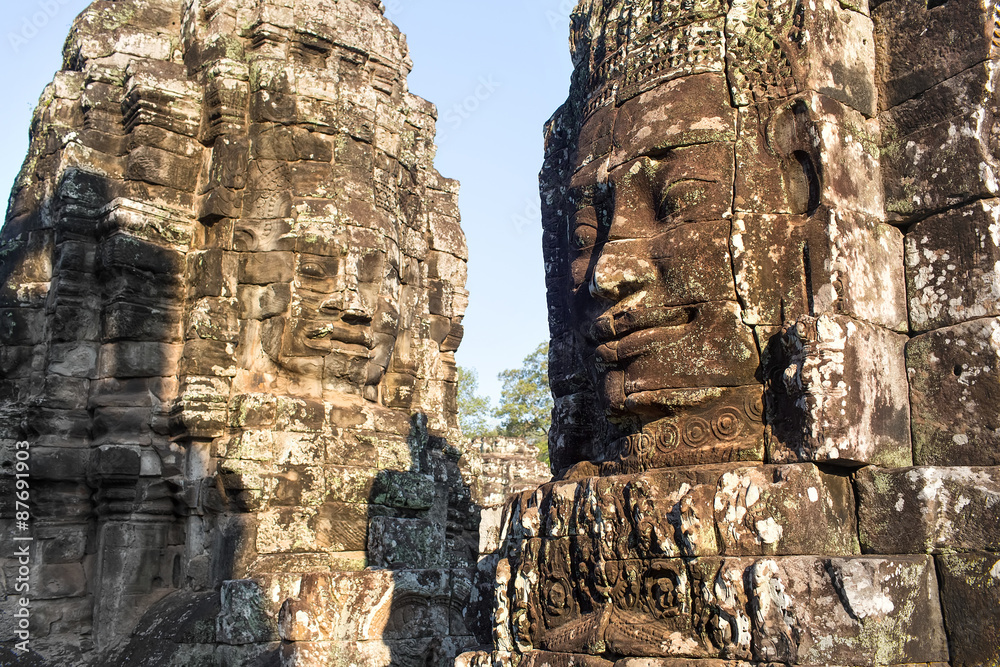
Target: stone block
[(297, 485), (785, 510), (730, 509), (115, 462), (342, 527), (429, 652), (246, 616), (248, 655), (253, 410), (671, 115), (17, 361), (289, 530), (810, 152), (266, 268), (61, 544), (250, 445), (129, 359), (159, 167), (952, 261), (847, 395), (297, 415), (209, 357), (260, 303), (208, 273), (369, 605), (214, 319), (66, 393), (133, 322), (404, 490), (405, 543), (941, 148), (928, 510), (970, 595), (22, 326), (816, 611), (299, 449), (916, 49), (130, 254), (53, 582), (804, 610), (356, 449), (953, 374), (832, 263), (350, 484), (542, 658)]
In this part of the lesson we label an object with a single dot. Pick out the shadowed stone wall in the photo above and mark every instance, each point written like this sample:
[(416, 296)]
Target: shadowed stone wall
[(233, 286), (770, 232)]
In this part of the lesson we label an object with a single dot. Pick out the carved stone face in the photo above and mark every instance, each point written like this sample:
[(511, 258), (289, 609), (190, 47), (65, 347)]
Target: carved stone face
[(652, 280), (690, 190), (653, 297), (344, 305)]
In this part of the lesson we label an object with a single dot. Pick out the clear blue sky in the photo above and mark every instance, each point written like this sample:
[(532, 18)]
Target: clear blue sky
[(496, 70)]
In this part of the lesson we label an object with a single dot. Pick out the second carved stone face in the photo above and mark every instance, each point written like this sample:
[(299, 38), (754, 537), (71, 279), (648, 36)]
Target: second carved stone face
[(653, 299), (344, 311)]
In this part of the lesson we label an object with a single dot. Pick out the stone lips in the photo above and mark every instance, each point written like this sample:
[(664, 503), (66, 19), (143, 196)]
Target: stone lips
[(231, 277)]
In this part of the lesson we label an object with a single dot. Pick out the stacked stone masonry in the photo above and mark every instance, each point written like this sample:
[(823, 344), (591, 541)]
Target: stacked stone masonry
[(771, 233), (233, 287), (501, 466)]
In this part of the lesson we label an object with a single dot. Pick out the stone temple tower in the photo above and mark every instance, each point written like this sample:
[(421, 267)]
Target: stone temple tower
[(772, 237), (233, 286)]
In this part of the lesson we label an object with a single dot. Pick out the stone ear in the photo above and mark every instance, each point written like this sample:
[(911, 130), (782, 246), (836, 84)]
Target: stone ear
[(790, 134)]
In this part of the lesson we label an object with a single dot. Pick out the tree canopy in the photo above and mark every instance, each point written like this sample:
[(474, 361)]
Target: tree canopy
[(525, 409), (474, 411)]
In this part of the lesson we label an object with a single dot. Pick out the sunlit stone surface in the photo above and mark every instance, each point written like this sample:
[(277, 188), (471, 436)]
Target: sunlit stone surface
[(233, 286)]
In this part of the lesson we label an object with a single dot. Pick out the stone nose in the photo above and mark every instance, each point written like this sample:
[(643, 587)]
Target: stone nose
[(347, 299), (619, 273), (350, 304)]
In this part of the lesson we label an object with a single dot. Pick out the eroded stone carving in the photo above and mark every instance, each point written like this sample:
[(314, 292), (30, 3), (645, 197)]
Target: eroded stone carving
[(769, 278), (232, 276)]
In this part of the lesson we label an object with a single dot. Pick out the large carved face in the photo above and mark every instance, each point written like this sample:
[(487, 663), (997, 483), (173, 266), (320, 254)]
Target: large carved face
[(344, 310), (653, 296), (689, 187)]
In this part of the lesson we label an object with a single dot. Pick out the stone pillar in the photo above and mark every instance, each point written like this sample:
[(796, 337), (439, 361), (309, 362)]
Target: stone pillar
[(233, 290), (940, 170), (767, 235)]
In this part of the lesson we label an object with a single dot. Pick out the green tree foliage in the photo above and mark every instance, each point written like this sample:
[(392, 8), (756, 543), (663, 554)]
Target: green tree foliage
[(473, 410), (525, 409)]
